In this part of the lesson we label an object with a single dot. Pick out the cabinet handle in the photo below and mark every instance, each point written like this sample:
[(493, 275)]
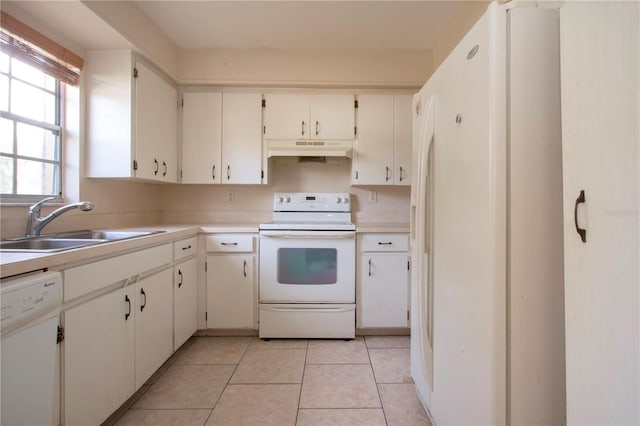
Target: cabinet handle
[(213, 172), (244, 268), (187, 247), (388, 243), (386, 176), (317, 128), (370, 267), (155, 161), (229, 244), (165, 169), (145, 299), (581, 231), (228, 172), (401, 174), (302, 127), (181, 278), (126, 299)]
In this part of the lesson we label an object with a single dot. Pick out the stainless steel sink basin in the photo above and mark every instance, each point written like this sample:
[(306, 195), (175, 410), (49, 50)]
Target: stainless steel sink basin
[(103, 235), (45, 245), (68, 240)]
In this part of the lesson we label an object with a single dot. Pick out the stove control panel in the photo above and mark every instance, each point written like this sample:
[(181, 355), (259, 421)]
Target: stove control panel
[(312, 202)]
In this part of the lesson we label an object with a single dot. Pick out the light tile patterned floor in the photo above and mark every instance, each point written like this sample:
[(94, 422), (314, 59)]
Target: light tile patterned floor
[(247, 381)]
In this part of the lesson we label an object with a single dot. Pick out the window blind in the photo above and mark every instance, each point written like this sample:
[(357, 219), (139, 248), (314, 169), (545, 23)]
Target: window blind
[(21, 41)]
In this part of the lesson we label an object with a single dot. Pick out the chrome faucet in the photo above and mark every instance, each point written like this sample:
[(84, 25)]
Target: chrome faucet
[(35, 223)]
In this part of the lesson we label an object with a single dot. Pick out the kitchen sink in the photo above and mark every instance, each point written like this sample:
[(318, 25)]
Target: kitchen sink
[(46, 244), (103, 235), (68, 240)]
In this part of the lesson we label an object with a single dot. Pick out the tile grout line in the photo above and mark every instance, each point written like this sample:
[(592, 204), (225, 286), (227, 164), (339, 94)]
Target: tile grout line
[(227, 382), (304, 370), (384, 413)]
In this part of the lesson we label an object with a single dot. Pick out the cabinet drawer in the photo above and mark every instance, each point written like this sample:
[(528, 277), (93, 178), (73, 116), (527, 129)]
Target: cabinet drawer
[(94, 276), (230, 243), (384, 242), (185, 248)]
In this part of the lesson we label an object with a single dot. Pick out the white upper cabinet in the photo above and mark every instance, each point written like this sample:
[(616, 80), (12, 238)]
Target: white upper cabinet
[(222, 138), (402, 128), (201, 137), (131, 118), (309, 116), (242, 138), (383, 143)]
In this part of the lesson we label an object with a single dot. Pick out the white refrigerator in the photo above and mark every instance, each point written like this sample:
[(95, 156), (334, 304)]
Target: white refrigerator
[(487, 342)]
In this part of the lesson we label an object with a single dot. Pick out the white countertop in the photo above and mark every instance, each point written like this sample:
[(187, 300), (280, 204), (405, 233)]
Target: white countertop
[(383, 227), (13, 263), (18, 263)]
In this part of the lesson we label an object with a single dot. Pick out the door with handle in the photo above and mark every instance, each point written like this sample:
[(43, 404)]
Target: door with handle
[(231, 296), (601, 138), (153, 323)]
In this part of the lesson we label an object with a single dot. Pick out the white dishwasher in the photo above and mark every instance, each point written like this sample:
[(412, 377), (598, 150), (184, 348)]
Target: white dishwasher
[(30, 354)]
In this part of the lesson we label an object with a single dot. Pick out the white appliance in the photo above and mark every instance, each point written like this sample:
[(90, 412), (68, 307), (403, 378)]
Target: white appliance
[(487, 342), (30, 382), (307, 267)]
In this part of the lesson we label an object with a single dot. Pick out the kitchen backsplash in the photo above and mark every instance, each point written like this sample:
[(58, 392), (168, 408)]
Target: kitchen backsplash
[(254, 203), (121, 204)]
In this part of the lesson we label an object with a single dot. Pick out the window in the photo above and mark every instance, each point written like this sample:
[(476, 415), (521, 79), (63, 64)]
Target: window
[(30, 132)]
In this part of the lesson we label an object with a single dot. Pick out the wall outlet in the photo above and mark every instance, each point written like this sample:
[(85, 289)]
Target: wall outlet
[(229, 196), (373, 197)]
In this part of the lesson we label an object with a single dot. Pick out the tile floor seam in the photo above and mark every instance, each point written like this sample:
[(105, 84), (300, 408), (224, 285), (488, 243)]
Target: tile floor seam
[(384, 413), (226, 384), (304, 369)]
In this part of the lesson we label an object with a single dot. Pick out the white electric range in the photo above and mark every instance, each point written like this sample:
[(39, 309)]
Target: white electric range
[(307, 268)]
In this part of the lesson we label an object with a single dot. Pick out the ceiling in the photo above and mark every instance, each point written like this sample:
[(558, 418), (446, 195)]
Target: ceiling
[(315, 25)]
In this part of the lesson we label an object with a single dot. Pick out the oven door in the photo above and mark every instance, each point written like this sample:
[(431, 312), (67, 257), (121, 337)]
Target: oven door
[(307, 266)]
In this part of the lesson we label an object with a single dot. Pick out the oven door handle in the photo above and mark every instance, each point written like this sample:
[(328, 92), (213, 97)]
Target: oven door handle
[(328, 235), (306, 309)]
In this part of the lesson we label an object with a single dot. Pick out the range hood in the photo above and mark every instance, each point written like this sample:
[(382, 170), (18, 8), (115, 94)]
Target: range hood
[(309, 148)]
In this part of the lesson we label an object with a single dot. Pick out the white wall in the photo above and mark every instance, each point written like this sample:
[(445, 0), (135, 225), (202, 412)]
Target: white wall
[(291, 68)]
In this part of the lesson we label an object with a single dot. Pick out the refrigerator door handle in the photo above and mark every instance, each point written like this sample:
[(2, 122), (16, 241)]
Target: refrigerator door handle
[(581, 231)]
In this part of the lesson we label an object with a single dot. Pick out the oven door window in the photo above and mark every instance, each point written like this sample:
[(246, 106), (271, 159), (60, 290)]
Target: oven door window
[(307, 266)]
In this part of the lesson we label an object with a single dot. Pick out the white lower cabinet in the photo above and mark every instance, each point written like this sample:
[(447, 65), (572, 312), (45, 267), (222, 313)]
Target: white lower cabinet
[(230, 291), (98, 357), (154, 323), (115, 341), (185, 301), (384, 273), (231, 281)]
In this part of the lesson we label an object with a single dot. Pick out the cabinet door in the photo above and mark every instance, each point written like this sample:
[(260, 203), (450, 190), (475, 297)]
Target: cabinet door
[(402, 139), (332, 116), (374, 143), (98, 357), (155, 124), (230, 291), (286, 116), (242, 137), (600, 141), (185, 299), (384, 284), (201, 137), (154, 324)]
